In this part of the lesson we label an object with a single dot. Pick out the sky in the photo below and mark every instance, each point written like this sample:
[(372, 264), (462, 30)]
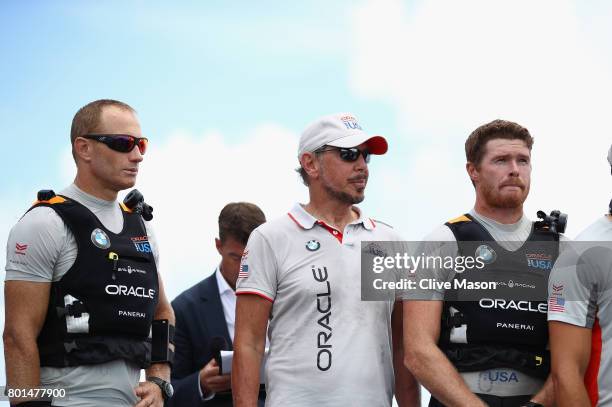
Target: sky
[(223, 93)]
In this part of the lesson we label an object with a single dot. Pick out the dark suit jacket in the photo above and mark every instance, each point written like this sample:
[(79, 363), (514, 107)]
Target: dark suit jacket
[(199, 318)]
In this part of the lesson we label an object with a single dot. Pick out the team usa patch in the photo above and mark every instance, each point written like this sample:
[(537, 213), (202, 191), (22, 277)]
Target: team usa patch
[(21, 248), (141, 243), (539, 261), (487, 379)]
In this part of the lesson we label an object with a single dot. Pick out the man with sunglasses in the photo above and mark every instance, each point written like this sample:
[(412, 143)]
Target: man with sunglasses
[(82, 285), (302, 272)]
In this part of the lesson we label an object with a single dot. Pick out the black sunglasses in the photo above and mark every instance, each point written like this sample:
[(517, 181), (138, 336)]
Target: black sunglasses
[(123, 143), (348, 154)]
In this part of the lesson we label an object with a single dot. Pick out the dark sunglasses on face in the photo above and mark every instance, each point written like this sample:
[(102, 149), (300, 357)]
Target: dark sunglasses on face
[(348, 154), (122, 143)]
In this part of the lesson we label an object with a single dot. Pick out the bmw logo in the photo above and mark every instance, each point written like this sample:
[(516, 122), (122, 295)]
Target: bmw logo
[(100, 239), (486, 253), (313, 245)]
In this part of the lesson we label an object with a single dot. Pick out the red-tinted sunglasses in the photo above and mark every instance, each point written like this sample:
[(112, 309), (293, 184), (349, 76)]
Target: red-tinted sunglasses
[(123, 143)]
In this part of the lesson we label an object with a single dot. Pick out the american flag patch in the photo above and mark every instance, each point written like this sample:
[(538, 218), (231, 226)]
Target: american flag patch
[(556, 303), (244, 271)]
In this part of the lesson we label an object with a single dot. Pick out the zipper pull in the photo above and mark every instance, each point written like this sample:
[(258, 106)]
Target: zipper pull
[(115, 258)]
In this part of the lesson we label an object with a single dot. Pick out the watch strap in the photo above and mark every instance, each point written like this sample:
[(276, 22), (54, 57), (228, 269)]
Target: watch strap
[(161, 383)]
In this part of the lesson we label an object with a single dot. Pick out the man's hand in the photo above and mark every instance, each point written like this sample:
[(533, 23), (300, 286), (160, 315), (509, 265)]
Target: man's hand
[(150, 395), (211, 381)]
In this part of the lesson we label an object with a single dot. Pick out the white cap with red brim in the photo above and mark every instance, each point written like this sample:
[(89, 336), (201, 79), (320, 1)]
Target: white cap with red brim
[(339, 130)]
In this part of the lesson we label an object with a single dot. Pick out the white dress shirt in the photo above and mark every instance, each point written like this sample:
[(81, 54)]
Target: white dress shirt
[(228, 299)]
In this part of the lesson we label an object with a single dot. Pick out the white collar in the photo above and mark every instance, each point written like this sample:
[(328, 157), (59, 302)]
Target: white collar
[(221, 283), (306, 221)]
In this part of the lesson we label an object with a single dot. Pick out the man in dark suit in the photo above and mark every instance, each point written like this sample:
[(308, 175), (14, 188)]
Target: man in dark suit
[(205, 316)]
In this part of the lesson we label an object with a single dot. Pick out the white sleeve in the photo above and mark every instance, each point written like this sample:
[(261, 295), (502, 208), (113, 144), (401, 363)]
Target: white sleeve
[(573, 289), (258, 268), (440, 242), (34, 245), (442, 234)]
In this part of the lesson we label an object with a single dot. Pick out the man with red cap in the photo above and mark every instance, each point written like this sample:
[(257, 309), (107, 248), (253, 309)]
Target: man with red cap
[(301, 273)]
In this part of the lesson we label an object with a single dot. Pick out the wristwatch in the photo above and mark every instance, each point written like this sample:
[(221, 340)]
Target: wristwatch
[(166, 388)]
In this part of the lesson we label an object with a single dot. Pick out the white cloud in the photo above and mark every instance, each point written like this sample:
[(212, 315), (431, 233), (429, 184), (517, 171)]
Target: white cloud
[(188, 179), (447, 67)]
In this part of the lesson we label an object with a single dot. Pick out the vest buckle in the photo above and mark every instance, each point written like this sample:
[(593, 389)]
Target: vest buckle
[(76, 309), (455, 321)]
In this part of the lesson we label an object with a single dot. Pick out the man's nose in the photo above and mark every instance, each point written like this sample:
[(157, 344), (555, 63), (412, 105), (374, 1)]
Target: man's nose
[(135, 155)]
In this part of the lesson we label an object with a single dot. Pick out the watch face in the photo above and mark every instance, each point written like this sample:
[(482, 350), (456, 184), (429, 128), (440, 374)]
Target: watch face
[(168, 389)]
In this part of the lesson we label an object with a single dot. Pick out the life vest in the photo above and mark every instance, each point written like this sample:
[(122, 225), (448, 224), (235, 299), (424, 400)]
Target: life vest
[(500, 332), (102, 308)]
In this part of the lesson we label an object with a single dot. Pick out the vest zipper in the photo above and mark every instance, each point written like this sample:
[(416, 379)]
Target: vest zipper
[(114, 257)]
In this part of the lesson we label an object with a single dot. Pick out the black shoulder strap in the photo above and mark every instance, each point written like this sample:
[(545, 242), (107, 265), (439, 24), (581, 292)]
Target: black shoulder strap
[(467, 229)]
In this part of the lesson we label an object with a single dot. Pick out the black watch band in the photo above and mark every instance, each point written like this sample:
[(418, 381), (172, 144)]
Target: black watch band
[(532, 404), (166, 388)]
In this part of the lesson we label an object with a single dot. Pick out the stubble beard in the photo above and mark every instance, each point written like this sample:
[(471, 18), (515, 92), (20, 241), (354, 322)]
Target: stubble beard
[(341, 196)]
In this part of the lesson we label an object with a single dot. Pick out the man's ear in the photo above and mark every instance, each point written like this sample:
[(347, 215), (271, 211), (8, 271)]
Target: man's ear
[(472, 171), (218, 244), (82, 149), (310, 164)]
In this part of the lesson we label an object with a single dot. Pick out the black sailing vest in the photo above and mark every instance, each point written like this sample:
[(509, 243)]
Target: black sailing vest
[(492, 333), (102, 308)]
